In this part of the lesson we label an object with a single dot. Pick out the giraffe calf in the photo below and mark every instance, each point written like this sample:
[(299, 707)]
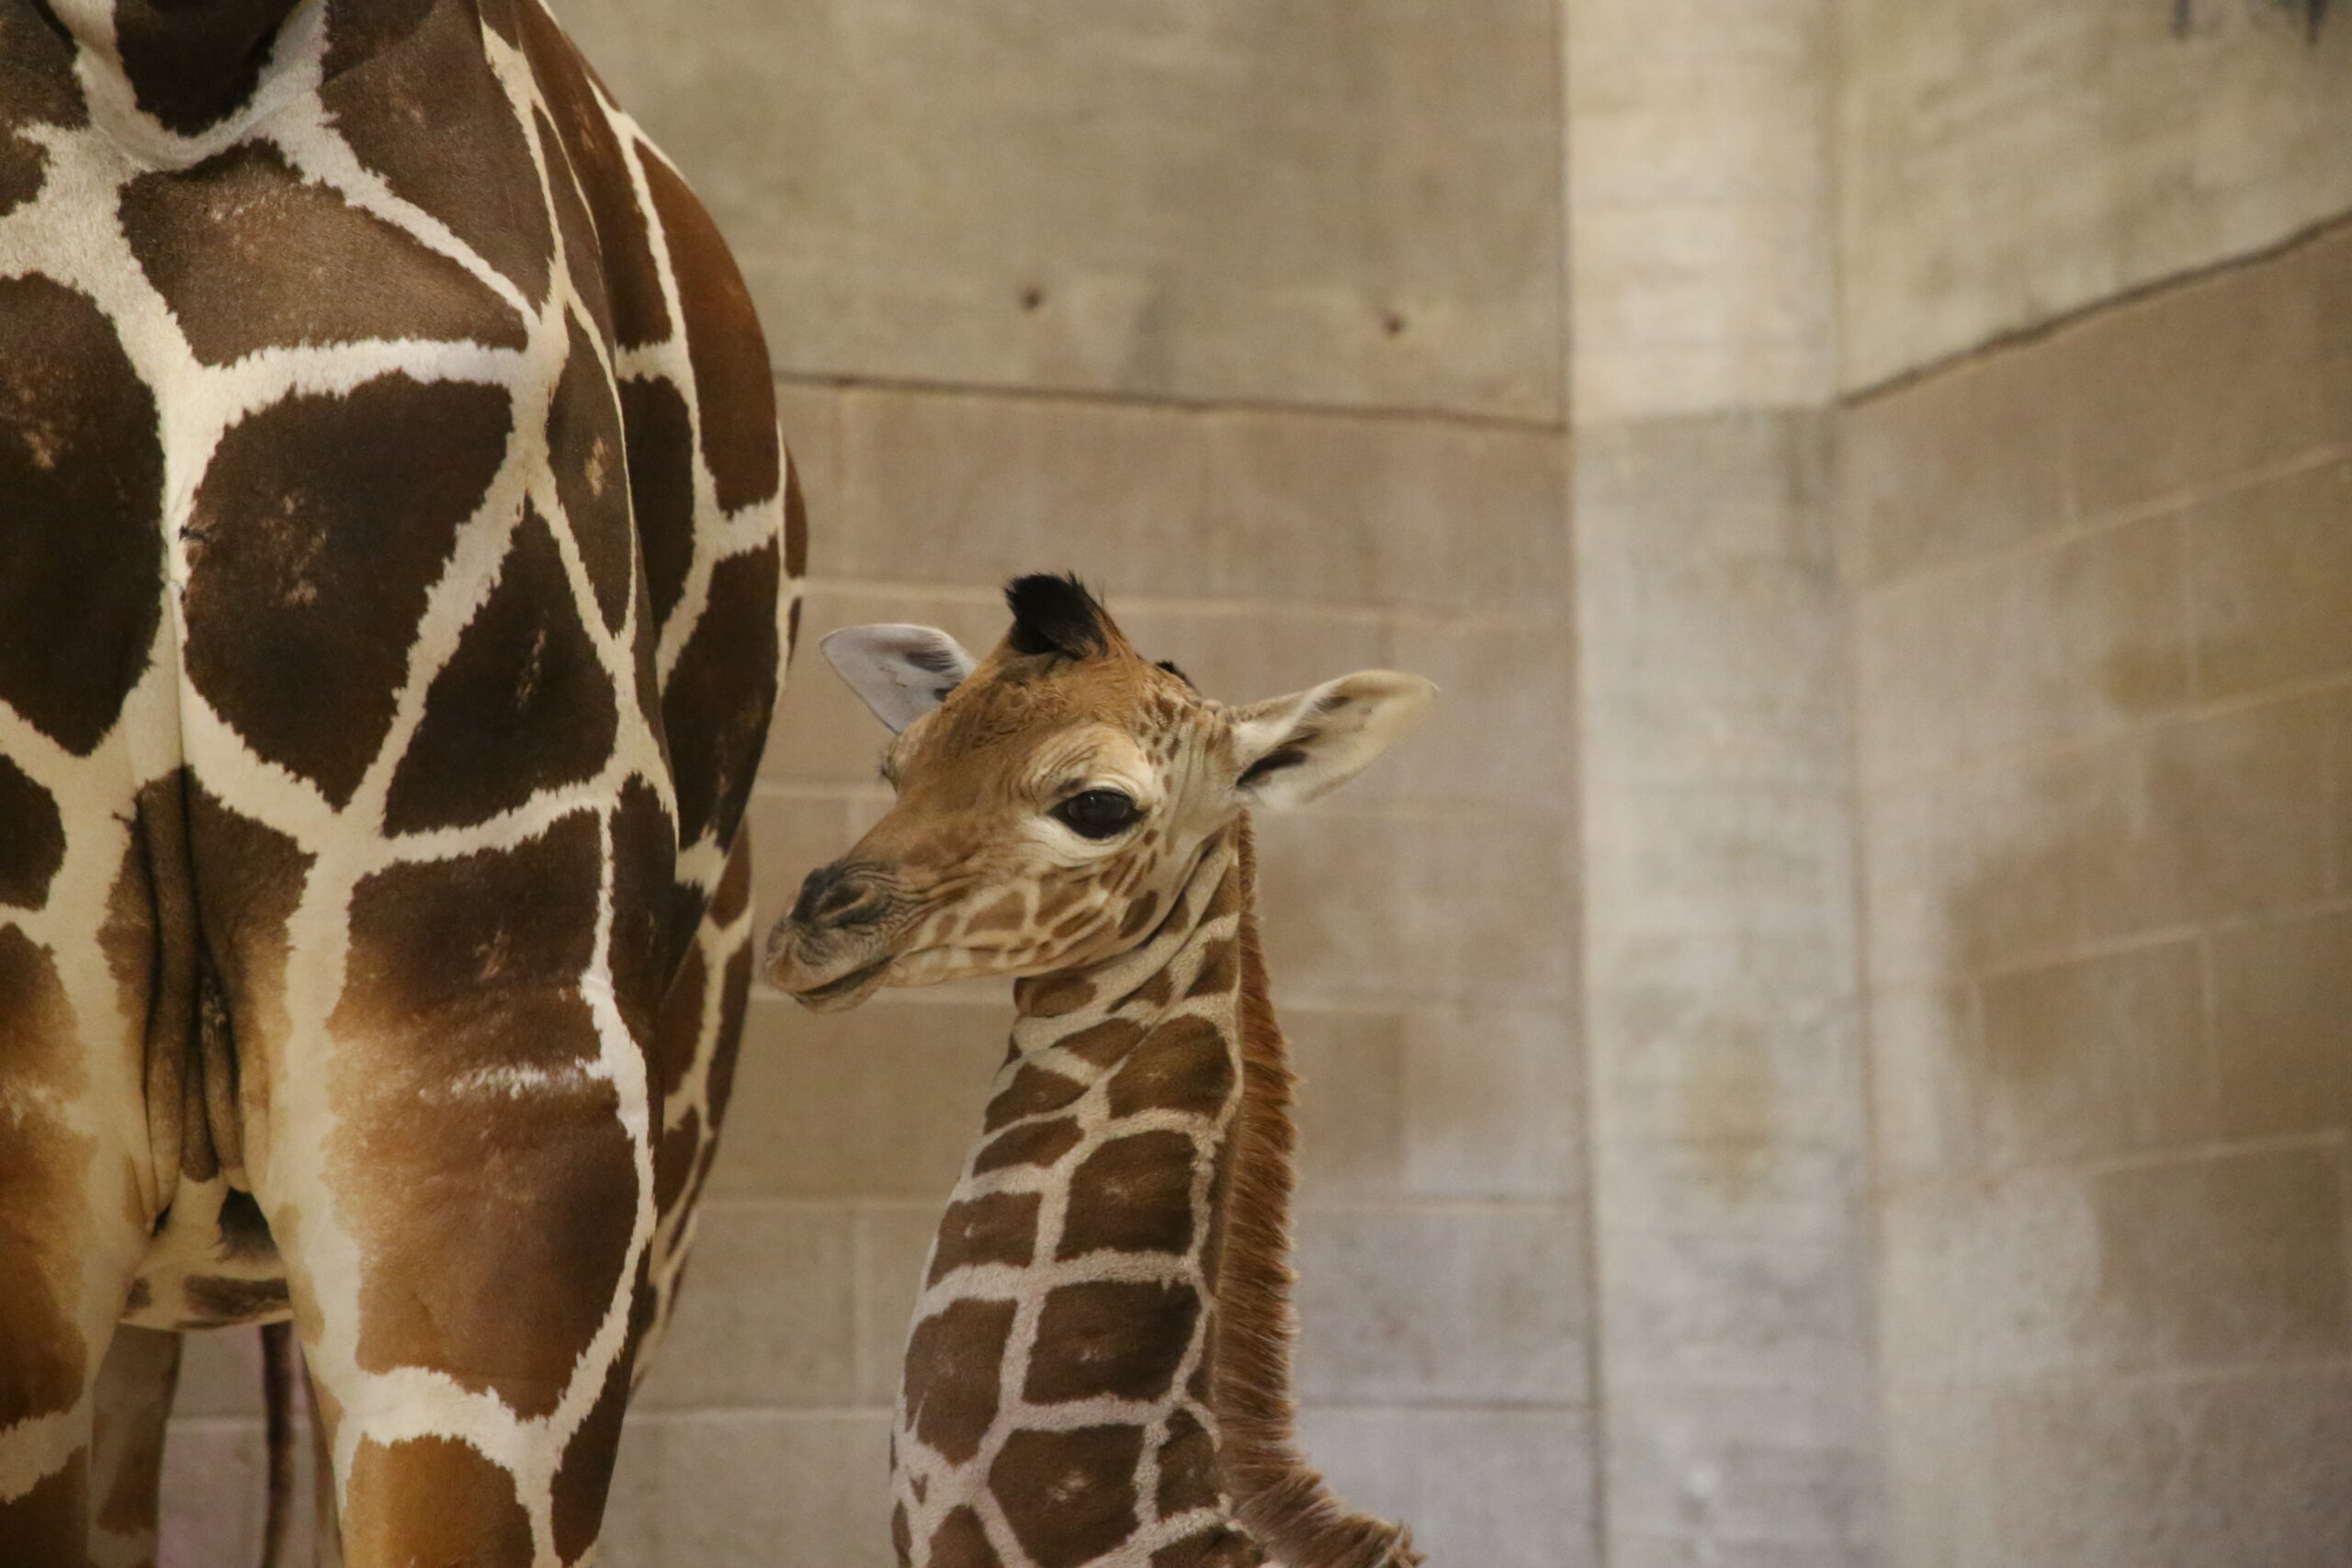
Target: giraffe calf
[(1098, 1371)]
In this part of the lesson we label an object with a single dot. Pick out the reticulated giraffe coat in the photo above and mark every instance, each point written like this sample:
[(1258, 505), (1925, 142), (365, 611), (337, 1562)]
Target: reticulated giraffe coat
[(395, 553), (1097, 1374)]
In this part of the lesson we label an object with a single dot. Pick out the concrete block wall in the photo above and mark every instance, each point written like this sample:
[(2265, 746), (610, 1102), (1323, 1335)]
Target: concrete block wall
[(2102, 652), (2003, 162), (1727, 1108)]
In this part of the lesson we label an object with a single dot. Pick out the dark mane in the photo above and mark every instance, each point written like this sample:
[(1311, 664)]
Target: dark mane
[(1057, 614)]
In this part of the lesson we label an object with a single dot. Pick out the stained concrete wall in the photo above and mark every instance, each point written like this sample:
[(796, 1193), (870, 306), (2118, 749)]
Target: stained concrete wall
[(2099, 578), (2103, 664), (1726, 1099), (2003, 162)]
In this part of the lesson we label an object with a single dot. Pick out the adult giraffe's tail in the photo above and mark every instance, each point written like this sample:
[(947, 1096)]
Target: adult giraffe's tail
[(281, 1377), (277, 1374), (1282, 1499)]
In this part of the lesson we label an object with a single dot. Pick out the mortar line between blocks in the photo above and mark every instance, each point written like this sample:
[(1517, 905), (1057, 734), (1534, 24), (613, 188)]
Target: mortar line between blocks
[(1175, 404)]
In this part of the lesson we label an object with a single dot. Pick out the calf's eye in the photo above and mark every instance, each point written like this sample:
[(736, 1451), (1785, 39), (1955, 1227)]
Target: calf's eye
[(1098, 813)]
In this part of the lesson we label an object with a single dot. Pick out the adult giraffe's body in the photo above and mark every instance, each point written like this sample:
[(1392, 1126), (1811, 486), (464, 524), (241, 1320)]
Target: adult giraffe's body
[(394, 554)]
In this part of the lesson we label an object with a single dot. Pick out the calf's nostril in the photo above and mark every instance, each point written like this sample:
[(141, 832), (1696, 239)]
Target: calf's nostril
[(832, 895)]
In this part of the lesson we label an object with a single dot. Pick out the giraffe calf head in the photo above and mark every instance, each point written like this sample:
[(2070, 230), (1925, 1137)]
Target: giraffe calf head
[(1052, 797)]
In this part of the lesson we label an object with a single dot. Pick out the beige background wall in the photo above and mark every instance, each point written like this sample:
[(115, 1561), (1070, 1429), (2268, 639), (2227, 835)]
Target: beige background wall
[(2002, 162), (2101, 583), (2103, 658), (1727, 1123)]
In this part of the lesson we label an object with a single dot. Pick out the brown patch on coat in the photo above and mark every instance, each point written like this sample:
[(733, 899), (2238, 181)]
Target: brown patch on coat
[(632, 280), (1139, 914), (522, 705), (1132, 1194), (678, 1030), (32, 839), (902, 1536), (316, 535), (1107, 1044), (216, 1299), (81, 553), (1068, 1496), (433, 1500), (250, 256), (1000, 1227), (486, 1171), (429, 114), (733, 894), (191, 67), (128, 936), (42, 89), (674, 1160), (1157, 991), (1051, 996), (1183, 1065), (734, 389), (659, 435), (1039, 1142), (51, 1522), (716, 708), (584, 1479), (591, 464), (953, 1357), (42, 1225), (962, 1541), (249, 881), (1034, 1091), (1110, 1337), (650, 947), (734, 1000), (1187, 1467), (1220, 971), (24, 165)]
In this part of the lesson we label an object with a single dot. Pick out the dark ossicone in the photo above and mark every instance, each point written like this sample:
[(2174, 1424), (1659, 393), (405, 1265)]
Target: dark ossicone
[(1057, 614)]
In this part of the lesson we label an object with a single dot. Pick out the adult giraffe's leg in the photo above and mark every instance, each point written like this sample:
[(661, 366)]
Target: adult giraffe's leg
[(467, 1235), (136, 1382), (54, 1325), (73, 1193)]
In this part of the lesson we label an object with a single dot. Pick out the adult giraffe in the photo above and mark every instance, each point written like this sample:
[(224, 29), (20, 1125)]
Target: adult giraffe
[(394, 541)]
